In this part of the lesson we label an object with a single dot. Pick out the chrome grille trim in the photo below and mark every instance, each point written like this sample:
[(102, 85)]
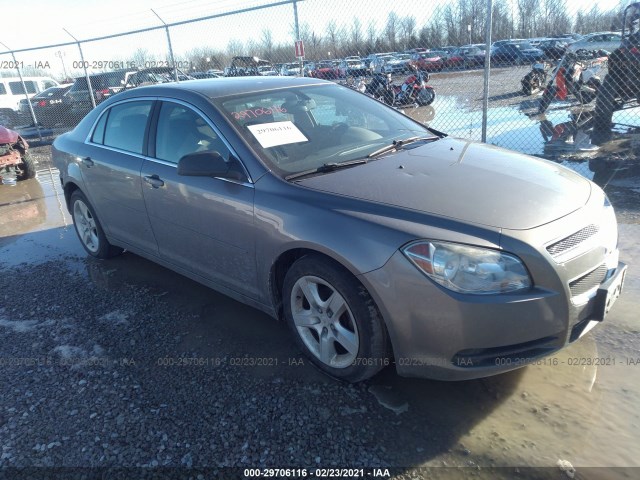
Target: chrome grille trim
[(588, 281), (560, 247)]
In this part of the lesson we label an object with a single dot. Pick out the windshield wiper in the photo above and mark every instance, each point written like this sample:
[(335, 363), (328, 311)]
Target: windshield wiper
[(398, 144), (327, 167)]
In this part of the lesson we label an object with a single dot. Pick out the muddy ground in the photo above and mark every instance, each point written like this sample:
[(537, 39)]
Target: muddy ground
[(122, 363)]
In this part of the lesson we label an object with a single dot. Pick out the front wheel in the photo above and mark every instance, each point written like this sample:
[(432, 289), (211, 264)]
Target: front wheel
[(88, 228), (426, 96), (334, 319), (26, 169), (603, 113)]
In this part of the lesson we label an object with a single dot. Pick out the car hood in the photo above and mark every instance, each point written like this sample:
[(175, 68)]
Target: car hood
[(466, 181)]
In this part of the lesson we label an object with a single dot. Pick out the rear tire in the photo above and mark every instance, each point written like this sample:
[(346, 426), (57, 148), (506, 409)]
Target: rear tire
[(334, 319), (88, 228)]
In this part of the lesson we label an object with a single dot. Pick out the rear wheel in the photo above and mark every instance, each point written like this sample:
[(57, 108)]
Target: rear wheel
[(89, 229), (334, 319)]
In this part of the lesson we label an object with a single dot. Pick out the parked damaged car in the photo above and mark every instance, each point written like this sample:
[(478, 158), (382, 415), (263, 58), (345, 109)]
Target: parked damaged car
[(376, 239), (15, 159)]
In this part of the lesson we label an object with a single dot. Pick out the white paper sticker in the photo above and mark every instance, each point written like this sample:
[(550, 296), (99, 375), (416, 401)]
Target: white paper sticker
[(277, 133)]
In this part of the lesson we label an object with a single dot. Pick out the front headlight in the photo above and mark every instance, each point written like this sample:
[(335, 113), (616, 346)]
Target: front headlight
[(465, 269)]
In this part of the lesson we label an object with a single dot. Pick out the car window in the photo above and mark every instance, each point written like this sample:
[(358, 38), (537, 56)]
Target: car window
[(295, 129), (98, 132), (48, 84), (125, 126), (182, 131), (16, 87), (3, 89)]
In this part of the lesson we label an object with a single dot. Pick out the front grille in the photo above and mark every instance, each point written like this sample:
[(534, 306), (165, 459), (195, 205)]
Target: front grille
[(588, 281), (572, 241)]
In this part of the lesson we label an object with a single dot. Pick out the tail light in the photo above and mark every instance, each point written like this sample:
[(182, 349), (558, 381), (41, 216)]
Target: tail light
[(42, 103), (102, 93)]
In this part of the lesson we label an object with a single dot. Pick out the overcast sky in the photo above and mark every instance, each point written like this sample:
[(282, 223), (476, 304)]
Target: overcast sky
[(44, 21)]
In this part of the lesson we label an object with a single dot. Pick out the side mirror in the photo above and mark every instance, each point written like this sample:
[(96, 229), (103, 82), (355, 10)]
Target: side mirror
[(209, 164)]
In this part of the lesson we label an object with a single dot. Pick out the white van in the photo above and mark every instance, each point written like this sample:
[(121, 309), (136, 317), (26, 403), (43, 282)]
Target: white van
[(11, 92)]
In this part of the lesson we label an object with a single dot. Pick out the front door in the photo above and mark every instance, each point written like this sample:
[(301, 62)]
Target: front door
[(202, 224)]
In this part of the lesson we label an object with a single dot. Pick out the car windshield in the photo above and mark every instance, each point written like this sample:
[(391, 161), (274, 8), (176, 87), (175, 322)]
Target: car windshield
[(303, 128)]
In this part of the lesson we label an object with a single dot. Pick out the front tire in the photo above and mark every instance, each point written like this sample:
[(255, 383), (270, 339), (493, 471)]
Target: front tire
[(334, 319), (426, 97), (603, 113), (88, 228), (27, 169)]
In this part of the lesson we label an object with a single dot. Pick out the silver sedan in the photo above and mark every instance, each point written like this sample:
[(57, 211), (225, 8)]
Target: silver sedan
[(379, 241)]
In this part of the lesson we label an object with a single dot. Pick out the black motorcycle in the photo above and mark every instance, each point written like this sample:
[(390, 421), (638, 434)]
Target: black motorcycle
[(381, 88)]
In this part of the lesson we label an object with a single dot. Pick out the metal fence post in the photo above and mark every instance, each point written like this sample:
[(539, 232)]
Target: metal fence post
[(487, 69), (173, 61), (84, 66), (297, 27)]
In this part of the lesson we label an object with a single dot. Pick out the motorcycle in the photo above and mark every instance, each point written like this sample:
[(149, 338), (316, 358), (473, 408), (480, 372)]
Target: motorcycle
[(414, 90), (381, 88), (574, 76), (534, 81)]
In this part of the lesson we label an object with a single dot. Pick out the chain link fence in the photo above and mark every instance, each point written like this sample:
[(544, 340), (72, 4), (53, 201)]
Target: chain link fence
[(543, 80)]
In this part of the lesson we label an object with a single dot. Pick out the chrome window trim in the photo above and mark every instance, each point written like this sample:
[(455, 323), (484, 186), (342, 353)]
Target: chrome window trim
[(95, 124), (88, 140), (165, 162), (216, 130)]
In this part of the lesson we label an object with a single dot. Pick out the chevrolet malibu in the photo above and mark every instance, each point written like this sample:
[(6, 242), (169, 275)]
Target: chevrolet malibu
[(378, 240)]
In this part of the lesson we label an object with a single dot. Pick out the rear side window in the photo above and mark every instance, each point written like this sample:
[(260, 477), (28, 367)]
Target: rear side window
[(16, 87), (98, 132), (125, 126)]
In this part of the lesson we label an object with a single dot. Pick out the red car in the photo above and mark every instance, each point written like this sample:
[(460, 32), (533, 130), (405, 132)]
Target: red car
[(466, 57), (14, 155), (432, 61), (326, 70)]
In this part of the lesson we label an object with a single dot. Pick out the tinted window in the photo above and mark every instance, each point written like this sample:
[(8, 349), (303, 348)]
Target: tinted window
[(126, 125), (3, 90), (98, 133), (182, 131), (49, 84), (16, 87)]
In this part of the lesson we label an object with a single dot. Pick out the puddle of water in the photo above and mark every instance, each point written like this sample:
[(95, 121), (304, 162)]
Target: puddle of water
[(510, 127), (37, 207)]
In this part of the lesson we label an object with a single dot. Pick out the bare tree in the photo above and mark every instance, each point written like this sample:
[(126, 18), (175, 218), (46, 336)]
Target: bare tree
[(266, 40), (408, 32), (357, 38), (391, 30)]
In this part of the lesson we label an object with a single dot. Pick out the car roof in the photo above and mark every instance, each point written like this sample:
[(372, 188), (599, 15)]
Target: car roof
[(223, 87)]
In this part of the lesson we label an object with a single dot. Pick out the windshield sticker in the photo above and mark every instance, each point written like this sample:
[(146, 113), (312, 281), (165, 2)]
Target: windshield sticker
[(256, 112), (277, 133)]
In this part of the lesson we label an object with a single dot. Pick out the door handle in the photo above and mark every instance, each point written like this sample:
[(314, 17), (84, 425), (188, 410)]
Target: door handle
[(154, 181), (87, 162)]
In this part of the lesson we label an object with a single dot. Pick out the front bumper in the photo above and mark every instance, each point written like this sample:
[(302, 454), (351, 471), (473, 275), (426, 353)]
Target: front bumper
[(440, 334), (443, 335)]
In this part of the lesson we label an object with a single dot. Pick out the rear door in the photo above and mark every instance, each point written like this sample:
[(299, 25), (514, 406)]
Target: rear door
[(112, 172), (204, 225)]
